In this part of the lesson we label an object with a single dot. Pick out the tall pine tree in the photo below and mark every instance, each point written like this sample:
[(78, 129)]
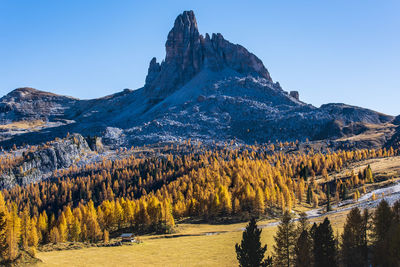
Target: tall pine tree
[(285, 240), (353, 242), (324, 245), (328, 196), (13, 232), (386, 236), (250, 253), (303, 250)]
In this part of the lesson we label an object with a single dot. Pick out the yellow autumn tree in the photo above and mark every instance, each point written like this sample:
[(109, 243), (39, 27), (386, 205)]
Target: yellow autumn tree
[(62, 228), (42, 226), (33, 236), (259, 204), (225, 200), (25, 227), (3, 229), (106, 236), (118, 215), (75, 231), (13, 232), (54, 236)]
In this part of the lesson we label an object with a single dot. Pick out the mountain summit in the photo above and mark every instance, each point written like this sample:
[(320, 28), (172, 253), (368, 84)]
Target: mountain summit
[(188, 53), (206, 88)]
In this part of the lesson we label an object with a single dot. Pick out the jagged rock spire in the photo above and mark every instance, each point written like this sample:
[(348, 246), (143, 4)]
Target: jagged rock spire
[(183, 38), (188, 52)]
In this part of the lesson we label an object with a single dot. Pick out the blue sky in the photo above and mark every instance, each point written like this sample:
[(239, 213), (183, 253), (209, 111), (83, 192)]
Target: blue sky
[(330, 51)]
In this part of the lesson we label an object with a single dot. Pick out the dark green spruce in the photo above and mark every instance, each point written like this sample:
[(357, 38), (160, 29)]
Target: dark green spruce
[(250, 253)]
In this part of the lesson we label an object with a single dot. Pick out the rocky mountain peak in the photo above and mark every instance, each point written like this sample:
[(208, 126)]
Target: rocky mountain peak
[(183, 58), (28, 103), (27, 92), (188, 53), (183, 39)]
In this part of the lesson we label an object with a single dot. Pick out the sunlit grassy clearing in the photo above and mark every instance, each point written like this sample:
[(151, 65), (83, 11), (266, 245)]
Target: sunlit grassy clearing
[(22, 125), (211, 250)]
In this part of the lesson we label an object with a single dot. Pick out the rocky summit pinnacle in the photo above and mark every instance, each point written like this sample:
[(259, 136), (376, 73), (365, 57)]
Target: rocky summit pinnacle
[(188, 52), (183, 38)]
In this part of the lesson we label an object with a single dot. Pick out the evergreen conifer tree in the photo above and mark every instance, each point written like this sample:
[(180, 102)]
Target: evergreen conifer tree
[(309, 195), (285, 241), (324, 245), (303, 250), (250, 253), (353, 240), (385, 231), (328, 195)]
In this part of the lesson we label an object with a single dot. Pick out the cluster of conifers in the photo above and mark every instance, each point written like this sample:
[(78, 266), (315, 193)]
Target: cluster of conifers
[(368, 239)]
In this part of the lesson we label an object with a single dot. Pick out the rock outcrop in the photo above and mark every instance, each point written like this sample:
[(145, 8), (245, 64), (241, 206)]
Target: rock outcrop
[(295, 95), (95, 143), (40, 164), (396, 120)]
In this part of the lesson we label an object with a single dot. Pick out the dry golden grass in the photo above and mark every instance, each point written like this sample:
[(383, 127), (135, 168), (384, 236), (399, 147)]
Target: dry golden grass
[(204, 250), (22, 125), (373, 132), (212, 250), (183, 251)]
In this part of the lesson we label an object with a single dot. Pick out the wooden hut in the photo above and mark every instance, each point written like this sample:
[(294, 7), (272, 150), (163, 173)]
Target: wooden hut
[(127, 237)]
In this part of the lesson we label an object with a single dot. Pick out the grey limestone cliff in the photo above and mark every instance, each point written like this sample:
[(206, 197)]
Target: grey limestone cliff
[(40, 164)]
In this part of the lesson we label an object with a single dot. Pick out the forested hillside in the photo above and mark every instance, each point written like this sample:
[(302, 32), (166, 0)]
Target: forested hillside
[(149, 194)]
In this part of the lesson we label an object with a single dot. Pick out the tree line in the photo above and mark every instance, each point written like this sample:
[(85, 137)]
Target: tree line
[(208, 183)]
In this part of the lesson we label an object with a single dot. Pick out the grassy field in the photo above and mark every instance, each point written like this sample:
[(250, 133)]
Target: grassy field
[(202, 250), (196, 250)]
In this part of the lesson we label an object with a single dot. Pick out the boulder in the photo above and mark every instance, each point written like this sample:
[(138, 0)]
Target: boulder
[(294, 94)]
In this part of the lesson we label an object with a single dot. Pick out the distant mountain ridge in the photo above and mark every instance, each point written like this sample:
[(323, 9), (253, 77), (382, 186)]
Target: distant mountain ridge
[(29, 103), (206, 88)]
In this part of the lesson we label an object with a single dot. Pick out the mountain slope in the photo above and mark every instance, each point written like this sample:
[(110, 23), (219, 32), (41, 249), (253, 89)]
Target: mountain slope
[(206, 88)]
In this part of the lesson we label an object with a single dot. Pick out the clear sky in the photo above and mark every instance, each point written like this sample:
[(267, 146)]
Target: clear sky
[(330, 51)]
